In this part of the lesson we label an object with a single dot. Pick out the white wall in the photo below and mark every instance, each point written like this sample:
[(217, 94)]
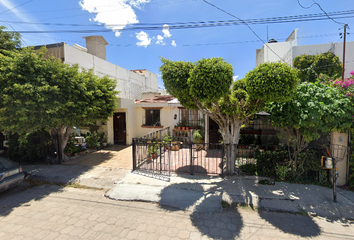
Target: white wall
[(336, 48), (130, 84)]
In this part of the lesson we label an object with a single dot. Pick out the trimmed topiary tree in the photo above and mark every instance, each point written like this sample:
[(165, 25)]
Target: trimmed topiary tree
[(207, 85)]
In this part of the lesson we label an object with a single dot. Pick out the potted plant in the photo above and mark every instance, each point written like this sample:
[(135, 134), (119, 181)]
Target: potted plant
[(166, 140), (198, 139), (152, 151), (175, 145)]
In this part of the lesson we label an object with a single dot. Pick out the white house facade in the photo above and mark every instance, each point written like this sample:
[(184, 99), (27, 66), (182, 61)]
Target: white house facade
[(289, 50), (131, 84)]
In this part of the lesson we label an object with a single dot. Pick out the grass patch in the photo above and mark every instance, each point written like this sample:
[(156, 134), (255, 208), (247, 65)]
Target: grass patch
[(302, 212), (36, 182), (224, 204)]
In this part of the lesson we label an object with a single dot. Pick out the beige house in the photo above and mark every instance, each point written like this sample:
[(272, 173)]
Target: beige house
[(131, 84)]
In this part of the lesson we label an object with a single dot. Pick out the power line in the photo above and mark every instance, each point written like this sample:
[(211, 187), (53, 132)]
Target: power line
[(246, 25), (196, 44), (16, 6), (315, 3), (295, 18), (185, 25)]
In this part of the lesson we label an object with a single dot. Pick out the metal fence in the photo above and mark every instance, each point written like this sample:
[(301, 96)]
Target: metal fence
[(163, 159), (158, 135)]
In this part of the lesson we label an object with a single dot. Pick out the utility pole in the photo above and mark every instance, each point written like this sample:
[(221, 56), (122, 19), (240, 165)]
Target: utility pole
[(344, 38)]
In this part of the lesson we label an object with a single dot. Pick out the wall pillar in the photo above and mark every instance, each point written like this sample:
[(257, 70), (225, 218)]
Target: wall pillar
[(341, 139)]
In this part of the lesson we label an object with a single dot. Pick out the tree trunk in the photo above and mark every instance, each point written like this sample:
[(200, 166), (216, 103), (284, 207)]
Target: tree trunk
[(231, 135), (60, 139)]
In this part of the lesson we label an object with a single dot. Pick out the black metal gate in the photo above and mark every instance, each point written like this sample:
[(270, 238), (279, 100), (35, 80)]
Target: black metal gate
[(161, 160)]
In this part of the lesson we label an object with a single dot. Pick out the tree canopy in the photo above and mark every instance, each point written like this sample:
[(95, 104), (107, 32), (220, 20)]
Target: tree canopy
[(315, 108), (312, 66), (9, 40), (37, 93), (208, 85)]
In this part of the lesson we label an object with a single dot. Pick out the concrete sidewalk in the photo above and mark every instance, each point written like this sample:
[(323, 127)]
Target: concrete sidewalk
[(207, 194), (94, 176)]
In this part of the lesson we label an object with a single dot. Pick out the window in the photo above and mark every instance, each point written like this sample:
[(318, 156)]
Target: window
[(189, 116), (152, 117)]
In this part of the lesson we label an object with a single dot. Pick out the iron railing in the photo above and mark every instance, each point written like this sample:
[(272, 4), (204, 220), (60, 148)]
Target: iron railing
[(158, 135), (163, 159)]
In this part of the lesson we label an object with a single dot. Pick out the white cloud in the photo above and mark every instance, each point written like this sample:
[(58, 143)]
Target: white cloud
[(166, 32), (160, 40), (235, 77), (144, 39), (174, 43), (114, 12)]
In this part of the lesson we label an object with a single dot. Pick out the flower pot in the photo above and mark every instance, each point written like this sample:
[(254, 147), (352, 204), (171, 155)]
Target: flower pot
[(179, 128), (183, 128), (175, 146)]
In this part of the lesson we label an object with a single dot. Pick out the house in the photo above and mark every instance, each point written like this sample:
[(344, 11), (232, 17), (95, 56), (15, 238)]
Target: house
[(131, 84), (165, 111), (289, 50)]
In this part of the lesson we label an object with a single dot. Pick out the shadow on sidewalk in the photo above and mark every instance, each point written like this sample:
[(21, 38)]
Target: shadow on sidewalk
[(228, 223), (48, 179)]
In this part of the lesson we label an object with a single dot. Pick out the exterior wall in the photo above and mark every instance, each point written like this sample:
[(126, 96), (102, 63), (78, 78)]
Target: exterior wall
[(173, 122), (127, 106), (165, 119), (340, 139), (336, 48), (96, 45), (289, 50), (130, 84), (282, 49)]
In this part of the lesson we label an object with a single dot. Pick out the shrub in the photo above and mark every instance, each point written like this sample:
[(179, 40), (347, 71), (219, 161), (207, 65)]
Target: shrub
[(31, 148), (249, 168), (94, 140)]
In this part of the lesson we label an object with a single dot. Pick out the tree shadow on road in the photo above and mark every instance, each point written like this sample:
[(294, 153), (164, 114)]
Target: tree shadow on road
[(43, 180), (207, 215), (209, 218)]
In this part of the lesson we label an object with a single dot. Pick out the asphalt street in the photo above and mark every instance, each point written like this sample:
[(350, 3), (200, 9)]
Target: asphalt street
[(53, 212)]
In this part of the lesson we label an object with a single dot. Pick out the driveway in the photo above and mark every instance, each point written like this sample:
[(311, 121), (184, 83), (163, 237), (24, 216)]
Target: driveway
[(99, 169), (116, 156)]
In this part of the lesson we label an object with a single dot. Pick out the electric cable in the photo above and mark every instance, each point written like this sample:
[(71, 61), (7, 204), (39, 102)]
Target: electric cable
[(247, 26)]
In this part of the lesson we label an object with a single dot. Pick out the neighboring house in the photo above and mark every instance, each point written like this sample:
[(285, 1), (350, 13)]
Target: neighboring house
[(119, 129), (289, 50), (163, 111)]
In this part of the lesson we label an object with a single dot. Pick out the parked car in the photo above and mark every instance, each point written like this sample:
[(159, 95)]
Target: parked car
[(11, 174)]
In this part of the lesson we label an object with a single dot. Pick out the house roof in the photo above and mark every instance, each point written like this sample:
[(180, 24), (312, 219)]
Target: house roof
[(157, 99)]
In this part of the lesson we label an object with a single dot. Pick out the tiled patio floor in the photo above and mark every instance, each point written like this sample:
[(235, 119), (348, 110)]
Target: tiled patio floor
[(116, 156)]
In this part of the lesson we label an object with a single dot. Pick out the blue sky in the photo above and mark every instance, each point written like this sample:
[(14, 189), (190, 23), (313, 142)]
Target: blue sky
[(140, 48)]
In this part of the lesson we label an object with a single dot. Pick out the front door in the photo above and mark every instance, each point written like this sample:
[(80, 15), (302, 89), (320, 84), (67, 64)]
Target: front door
[(119, 127), (214, 135)]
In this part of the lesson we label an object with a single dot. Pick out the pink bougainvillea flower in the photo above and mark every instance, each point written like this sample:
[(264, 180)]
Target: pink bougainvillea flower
[(352, 72)]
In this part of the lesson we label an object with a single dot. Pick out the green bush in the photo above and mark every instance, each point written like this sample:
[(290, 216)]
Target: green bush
[(94, 140), (72, 146), (268, 162), (249, 168), (31, 148)]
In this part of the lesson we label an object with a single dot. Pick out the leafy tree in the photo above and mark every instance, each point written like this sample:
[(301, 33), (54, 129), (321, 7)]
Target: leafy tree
[(314, 108), (206, 85), (9, 40), (311, 66), (38, 93)]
